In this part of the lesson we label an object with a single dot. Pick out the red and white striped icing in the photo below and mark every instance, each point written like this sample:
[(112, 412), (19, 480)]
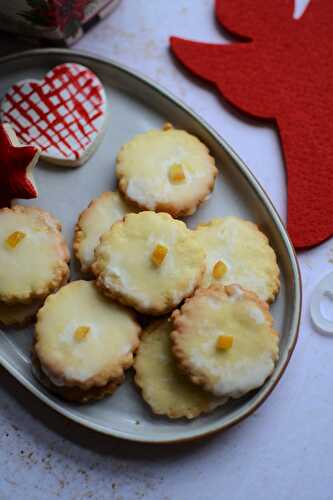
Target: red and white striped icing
[(63, 114)]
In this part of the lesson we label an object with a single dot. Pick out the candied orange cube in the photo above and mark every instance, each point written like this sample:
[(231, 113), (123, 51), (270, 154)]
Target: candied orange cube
[(159, 254), (81, 333), (176, 173), (167, 126), (219, 270), (224, 342), (14, 239)]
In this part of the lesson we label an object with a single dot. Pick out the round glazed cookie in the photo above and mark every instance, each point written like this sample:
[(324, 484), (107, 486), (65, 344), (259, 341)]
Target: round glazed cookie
[(18, 314), (237, 252), (33, 254), (163, 386), (223, 338), (93, 222), (149, 261), (84, 342), (166, 170)]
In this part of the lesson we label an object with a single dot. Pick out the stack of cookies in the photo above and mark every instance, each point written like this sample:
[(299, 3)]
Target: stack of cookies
[(34, 262), (211, 336)]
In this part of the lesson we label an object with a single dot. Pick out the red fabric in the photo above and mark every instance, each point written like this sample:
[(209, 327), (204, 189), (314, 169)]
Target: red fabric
[(14, 161), (281, 69)]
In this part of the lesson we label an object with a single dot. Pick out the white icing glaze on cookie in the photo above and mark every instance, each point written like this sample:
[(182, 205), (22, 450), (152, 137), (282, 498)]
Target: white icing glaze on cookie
[(105, 350), (64, 114), (37, 265), (250, 260), (124, 268), (198, 327), (143, 170), (94, 221)]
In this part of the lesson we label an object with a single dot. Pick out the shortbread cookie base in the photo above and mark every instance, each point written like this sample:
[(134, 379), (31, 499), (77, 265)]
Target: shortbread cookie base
[(74, 394), (33, 269), (124, 269), (18, 314), (97, 218), (143, 168), (249, 259), (163, 386), (233, 311), (98, 359)]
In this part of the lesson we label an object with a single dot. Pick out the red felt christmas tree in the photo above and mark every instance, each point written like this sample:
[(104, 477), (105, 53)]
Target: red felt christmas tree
[(281, 69)]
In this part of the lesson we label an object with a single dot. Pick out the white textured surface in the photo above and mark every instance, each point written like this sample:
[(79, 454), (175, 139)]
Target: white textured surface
[(285, 449)]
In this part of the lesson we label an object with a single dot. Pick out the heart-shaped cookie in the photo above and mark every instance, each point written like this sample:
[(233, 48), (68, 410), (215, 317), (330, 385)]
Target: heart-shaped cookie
[(64, 114)]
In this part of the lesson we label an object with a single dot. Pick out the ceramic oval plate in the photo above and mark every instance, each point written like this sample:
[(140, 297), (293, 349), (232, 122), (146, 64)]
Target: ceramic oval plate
[(137, 105)]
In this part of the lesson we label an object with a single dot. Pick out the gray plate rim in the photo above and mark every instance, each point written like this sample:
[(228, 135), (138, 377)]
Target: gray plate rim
[(264, 198)]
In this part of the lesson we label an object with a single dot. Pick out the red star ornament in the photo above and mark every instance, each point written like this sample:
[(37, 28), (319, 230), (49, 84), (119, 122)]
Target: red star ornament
[(16, 166)]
